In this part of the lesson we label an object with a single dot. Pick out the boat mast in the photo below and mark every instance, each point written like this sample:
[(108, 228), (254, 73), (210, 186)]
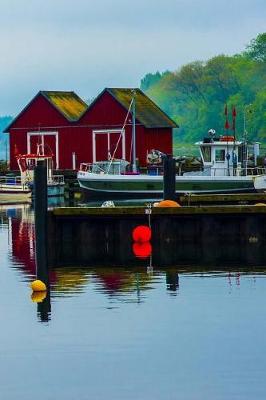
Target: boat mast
[(134, 166), (245, 137), (226, 127)]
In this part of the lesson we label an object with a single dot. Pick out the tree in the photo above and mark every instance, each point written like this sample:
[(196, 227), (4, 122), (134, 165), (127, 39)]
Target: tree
[(149, 80), (195, 95), (256, 50)]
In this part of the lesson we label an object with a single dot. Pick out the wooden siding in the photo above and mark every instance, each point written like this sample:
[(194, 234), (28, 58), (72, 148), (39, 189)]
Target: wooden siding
[(105, 113)]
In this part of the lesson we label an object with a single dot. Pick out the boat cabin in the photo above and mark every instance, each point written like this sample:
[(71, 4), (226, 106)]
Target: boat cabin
[(27, 164), (224, 155)]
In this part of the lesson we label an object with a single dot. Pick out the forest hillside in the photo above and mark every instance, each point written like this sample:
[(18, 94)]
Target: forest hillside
[(196, 94)]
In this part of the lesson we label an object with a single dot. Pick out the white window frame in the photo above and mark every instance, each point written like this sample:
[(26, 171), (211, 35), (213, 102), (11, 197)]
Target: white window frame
[(42, 134), (107, 132)]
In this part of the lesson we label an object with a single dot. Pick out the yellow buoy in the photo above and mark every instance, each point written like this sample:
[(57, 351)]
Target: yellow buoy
[(38, 286), (168, 203), (38, 297), (260, 204)]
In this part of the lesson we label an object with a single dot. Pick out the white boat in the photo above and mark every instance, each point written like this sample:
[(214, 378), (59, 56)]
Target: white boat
[(225, 170), (20, 188), (13, 189)]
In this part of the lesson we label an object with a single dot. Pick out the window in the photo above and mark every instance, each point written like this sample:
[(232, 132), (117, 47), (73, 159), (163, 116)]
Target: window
[(219, 155), (206, 153)]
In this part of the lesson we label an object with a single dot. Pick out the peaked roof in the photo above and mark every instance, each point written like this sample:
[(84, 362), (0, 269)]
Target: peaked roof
[(72, 107), (147, 112), (69, 104)]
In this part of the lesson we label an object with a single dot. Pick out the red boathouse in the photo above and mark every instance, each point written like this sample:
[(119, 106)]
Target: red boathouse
[(74, 132)]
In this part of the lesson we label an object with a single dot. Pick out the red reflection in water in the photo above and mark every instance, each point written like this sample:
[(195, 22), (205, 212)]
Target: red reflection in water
[(63, 280), (23, 244), (22, 235), (142, 250), (114, 281)]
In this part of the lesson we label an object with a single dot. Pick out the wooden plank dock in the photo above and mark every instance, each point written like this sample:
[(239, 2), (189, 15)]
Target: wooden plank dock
[(232, 198)]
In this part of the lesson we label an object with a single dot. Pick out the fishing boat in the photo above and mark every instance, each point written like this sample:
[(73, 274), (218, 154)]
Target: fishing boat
[(102, 179), (20, 188), (225, 169)]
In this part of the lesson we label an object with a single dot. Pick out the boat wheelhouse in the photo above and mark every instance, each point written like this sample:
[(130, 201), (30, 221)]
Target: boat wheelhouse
[(225, 156), (27, 164)]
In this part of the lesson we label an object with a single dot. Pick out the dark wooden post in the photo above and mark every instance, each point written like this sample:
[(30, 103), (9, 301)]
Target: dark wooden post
[(172, 280), (40, 212), (169, 177), (44, 308)]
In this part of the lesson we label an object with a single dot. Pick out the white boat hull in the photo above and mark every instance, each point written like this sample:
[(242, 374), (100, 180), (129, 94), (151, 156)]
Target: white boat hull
[(15, 193)]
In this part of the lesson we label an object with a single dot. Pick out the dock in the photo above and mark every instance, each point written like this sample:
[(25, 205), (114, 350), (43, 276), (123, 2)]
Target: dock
[(232, 198), (218, 235)]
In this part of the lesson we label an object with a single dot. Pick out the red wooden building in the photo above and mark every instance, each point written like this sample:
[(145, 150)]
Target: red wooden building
[(74, 132)]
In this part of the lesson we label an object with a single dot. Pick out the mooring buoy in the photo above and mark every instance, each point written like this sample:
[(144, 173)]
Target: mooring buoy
[(142, 233), (38, 286)]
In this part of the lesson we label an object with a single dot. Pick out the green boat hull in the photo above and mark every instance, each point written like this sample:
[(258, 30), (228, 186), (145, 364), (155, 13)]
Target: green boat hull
[(129, 188)]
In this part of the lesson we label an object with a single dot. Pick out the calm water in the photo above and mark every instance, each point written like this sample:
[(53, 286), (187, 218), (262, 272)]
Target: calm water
[(131, 333)]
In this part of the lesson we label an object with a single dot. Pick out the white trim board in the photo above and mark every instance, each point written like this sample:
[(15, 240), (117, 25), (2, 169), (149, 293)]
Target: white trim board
[(107, 132), (42, 134)]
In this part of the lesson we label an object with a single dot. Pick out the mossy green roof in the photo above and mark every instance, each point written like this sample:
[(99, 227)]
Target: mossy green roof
[(147, 112), (67, 103)]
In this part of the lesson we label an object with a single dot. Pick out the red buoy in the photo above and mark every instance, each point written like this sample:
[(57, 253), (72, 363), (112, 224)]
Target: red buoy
[(142, 250), (141, 233)]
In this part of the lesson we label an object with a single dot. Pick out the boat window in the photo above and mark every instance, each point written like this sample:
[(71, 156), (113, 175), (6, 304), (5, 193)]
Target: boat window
[(219, 155), (206, 153)]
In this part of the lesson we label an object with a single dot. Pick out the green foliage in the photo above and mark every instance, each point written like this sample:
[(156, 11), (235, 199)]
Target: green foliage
[(4, 168), (196, 94), (256, 50), (151, 79), (4, 142)]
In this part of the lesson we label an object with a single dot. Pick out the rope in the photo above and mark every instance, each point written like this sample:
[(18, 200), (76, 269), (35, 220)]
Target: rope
[(123, 127)]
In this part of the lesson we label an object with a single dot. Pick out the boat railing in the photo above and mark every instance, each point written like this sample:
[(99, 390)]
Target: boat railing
[(10, 180), (117, 167), (13, 182), (216, 171), (91, 167)]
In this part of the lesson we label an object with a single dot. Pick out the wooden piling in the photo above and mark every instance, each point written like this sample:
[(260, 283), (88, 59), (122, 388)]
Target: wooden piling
[(169, 178), (40, 213)]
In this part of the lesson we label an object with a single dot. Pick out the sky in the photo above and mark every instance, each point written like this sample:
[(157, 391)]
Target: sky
[(87, 45)]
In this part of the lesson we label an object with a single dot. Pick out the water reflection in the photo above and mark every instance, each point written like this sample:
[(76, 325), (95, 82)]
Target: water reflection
[(145, 331), (22, 239), (117, 283)]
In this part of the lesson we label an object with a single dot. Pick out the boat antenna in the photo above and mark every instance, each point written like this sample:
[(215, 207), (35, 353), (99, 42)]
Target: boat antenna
[(245, 137), (234, 156), (226, 127), (133, 112), (234, 122)]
